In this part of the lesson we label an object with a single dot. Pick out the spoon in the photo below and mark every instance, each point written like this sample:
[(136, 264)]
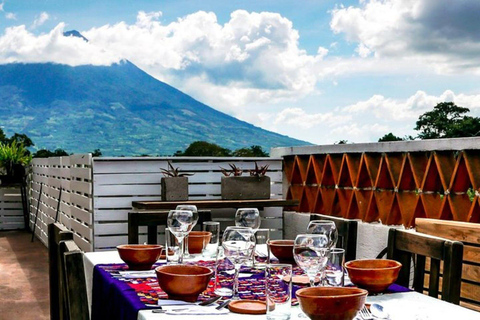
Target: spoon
[(378, 311)]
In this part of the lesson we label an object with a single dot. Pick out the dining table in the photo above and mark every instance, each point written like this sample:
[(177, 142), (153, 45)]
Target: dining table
[(109, 294)]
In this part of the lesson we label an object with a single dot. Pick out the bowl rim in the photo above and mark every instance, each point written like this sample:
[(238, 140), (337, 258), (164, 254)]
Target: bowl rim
[(199, 233), (139, 246), (281, 243), (396, 266), (207, 272), (360, 292)]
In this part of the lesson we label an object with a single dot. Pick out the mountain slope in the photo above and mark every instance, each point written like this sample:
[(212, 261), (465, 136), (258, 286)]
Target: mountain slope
[(119, 109)]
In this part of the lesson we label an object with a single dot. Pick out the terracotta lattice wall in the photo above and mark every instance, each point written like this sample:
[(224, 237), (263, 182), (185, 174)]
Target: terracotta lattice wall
[(394, 187)]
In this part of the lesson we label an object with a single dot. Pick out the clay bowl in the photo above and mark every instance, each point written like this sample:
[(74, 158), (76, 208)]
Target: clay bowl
[(331, 303), (282, 249), (375, 275), (197, 240), (139, 256), (183, 282)]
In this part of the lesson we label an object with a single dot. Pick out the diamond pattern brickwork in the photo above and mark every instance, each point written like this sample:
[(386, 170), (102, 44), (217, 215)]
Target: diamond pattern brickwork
[(394, 188)]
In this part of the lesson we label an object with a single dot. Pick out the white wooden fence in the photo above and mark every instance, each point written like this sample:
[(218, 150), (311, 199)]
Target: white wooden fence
[(11, 210), (98, 192)]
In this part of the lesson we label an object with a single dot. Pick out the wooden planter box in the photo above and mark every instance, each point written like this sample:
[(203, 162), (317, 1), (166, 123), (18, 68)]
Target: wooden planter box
[(174, 188), (245, 188)]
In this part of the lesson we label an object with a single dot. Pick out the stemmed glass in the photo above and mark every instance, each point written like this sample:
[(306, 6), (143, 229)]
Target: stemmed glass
[(248, 217), (238, 244), (310, 252), (195, 218), (180, 223), (329, 230), (326, 228)]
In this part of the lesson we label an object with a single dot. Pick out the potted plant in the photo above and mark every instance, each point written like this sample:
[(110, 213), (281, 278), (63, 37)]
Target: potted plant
[(174, 184), (13, 159), (255, 186)]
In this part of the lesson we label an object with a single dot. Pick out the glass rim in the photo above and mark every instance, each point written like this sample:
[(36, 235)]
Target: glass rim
[(280, 265), (213, 223), (337, 250)]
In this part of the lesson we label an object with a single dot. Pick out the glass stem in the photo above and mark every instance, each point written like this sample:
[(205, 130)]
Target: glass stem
[(235, 284), (312, 281), (181, 242)]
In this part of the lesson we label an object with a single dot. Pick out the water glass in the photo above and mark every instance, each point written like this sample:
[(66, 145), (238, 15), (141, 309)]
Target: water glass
[(224, 275), (171, 247), (211, 247), (261, 248), (278, 287), (334, 272)]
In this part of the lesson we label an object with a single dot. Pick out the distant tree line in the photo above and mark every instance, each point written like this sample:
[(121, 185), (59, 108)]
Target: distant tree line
[(207, 149), (446, 120), (26, 142)]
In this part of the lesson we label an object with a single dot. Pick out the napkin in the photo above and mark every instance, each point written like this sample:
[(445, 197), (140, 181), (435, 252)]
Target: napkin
[(196, 310)]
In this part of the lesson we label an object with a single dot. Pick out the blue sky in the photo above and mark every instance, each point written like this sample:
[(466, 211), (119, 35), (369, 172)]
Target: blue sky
[(320, 71)]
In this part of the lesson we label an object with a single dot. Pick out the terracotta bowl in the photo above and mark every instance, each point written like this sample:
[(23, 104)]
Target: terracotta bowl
[(331, 303), (282, 249), (139, 256), (374, 275), (183, 282), (197, 240)]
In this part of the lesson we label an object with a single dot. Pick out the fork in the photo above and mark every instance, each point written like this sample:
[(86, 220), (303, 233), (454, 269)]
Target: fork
[(365, 314)]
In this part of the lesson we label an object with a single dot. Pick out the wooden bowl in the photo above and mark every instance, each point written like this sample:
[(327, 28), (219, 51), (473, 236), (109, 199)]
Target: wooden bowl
[(139, 256), (375, 275), (197, 240), (331, 303), (282, 249), (183, 282)]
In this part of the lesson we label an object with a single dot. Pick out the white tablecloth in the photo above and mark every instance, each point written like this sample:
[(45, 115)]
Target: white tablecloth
[(401, 306)]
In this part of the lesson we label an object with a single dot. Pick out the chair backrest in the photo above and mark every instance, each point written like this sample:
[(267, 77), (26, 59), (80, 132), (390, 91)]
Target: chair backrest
[(152, 220), (347, 234), (405, 246), (56, 234), (149, 219), (469, 234), (75, 282)]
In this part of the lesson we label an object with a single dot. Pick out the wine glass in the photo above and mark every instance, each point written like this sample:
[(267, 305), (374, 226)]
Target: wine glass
[(180, 223), (238, 245), (310, 252), (194, 210), (324, 227), (248, 217)]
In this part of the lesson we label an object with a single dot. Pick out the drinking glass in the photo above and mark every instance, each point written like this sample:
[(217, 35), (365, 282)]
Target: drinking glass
[(261, 249), (195, 218), (224, 274), (324, 227), (310, 252), (278, 285), (171, 248), (180, 223), (248, 217), (334, 270), (212, 245), (238, 244)]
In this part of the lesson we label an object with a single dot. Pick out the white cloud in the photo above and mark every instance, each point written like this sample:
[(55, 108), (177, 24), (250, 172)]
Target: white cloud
[(1, 6), (17, 44), (299, 118), (10, 16), (40, 20), (252, 52), (443, 34)]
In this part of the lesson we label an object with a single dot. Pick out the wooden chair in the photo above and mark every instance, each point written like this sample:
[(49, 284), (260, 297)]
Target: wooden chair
[(74, 280), (405, 246), (152, 220), (56, 234), (347, 234)]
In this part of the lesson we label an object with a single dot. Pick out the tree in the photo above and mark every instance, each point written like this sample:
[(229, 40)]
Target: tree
[(253, 151), (22, 138), (44, 153), (204, 149), (3, 137), (390, 137), (97, 153), (447, 120)]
